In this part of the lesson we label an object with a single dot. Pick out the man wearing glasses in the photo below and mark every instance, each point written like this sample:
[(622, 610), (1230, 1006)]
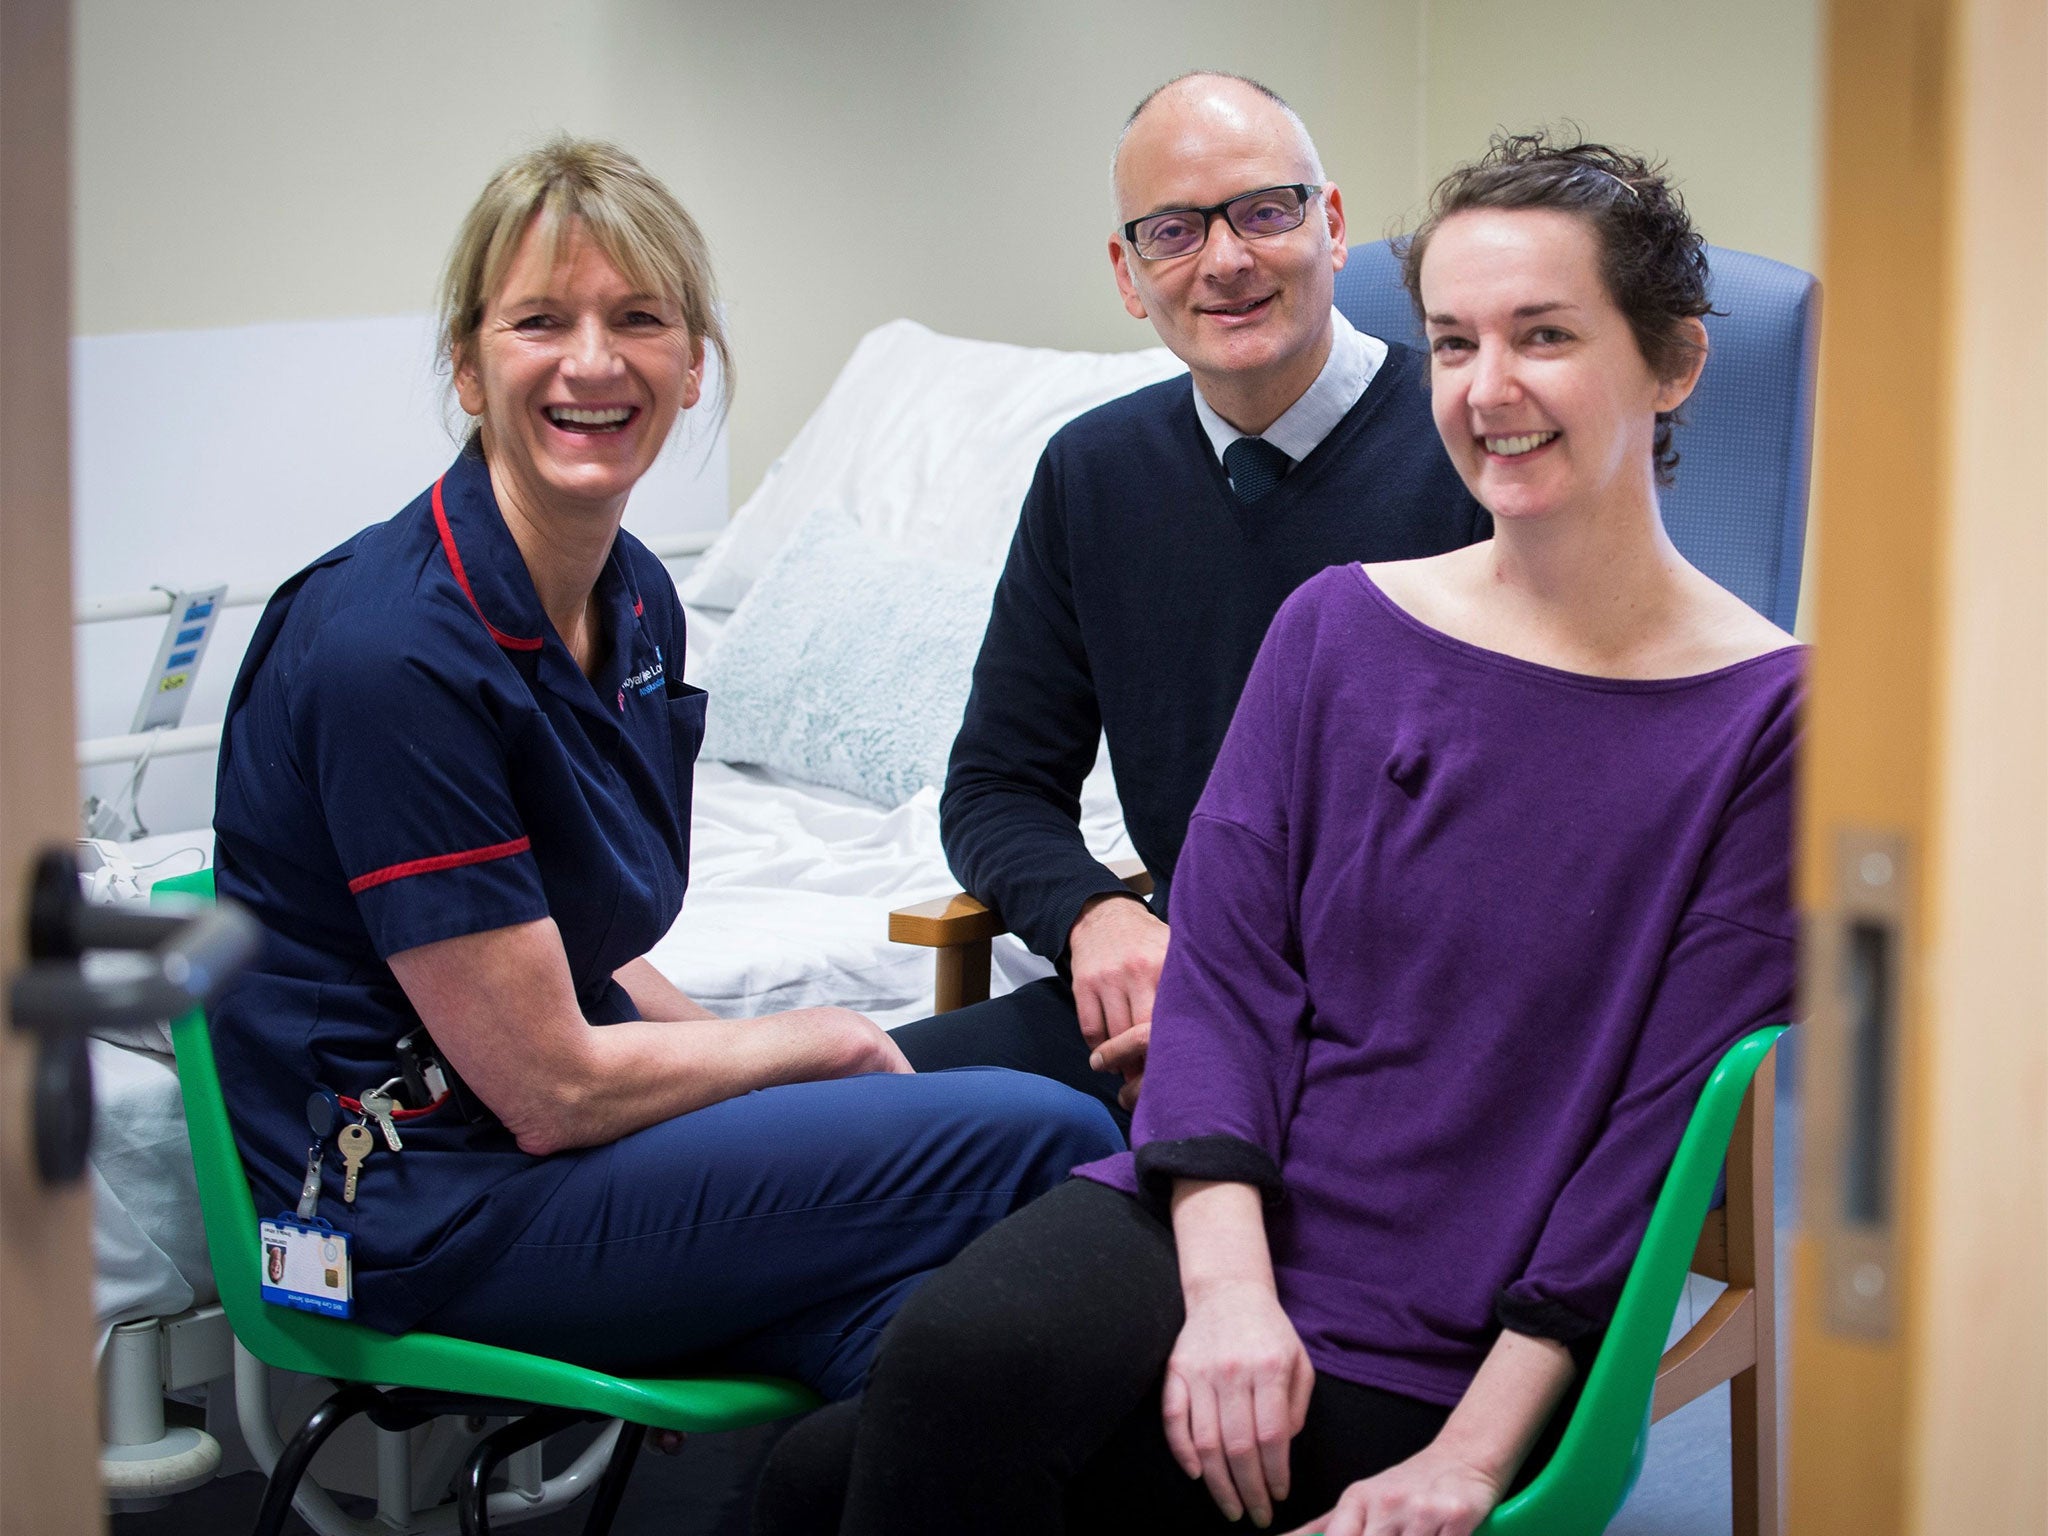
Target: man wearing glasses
[(1160, 536)]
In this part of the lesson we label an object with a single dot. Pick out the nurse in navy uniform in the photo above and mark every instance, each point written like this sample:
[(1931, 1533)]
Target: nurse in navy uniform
[(455, 788)]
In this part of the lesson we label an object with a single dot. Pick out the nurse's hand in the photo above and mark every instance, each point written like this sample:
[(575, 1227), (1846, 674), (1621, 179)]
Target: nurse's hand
[(839, 1042), (1116, 951), (502, 1007)]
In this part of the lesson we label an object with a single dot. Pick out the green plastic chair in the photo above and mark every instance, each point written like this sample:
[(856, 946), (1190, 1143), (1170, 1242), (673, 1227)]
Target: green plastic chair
[(1601, 1453), (1633, 1377), (445, 1375)]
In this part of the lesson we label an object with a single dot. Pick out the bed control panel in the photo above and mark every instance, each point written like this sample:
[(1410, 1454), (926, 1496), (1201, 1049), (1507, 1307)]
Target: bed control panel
[(178, 655)]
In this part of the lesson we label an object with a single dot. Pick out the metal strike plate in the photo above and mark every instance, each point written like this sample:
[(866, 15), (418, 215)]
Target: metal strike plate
[(1858, 979)]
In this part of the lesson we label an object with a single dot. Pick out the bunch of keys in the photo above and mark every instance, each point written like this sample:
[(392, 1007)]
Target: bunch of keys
[(323, 1114), (357, 1143)]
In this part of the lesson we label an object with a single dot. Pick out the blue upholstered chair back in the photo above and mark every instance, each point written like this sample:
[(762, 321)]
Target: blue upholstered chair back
[(1738, 511)]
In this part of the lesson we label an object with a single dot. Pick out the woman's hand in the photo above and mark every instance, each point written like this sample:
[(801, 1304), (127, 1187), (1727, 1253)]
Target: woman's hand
[(1453, 1483), (1238, 1381), (836, 1042), (1237, 1389), (1432, 1493)]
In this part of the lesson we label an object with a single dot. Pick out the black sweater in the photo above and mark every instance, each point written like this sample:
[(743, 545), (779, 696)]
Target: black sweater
[(1135, 596)]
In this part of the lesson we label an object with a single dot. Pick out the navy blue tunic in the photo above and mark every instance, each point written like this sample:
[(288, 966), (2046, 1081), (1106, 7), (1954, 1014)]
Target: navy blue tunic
[(412, 754)]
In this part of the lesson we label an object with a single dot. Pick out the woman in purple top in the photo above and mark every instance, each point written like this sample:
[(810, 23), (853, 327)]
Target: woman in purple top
[(1493, 866)]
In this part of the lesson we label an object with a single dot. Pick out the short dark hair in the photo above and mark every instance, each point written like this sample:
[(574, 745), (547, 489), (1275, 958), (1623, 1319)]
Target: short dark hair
[(1652, 260)]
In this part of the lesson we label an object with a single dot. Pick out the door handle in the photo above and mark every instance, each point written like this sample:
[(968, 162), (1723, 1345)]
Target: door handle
[(146, 966)]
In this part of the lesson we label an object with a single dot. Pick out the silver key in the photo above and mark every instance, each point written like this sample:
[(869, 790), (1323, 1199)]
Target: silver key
[(356, 1144), (377, 1104)]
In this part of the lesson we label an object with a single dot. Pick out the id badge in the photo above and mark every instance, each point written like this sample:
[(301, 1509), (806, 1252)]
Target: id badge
[(305, 1265)]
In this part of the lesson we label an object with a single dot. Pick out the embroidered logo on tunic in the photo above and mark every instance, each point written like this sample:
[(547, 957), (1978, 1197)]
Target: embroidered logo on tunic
[(643, 682)]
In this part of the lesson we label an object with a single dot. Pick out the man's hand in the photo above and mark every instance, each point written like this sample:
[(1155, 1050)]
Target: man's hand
[(1125, 1054), (1116, 951), (1432, 1493)]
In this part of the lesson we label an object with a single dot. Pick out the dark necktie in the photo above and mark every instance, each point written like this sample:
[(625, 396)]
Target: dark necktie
[(1254, 466)]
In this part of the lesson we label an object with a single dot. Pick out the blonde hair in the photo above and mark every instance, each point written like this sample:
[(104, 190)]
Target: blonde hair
[(634, 220)]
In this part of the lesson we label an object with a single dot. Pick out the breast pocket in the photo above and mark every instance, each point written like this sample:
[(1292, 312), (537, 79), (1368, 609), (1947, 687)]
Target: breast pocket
[(686, 736)]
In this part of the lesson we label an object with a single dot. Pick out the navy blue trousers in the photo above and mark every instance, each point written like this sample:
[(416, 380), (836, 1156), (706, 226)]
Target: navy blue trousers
[(1033, 1029), (777, 1232)]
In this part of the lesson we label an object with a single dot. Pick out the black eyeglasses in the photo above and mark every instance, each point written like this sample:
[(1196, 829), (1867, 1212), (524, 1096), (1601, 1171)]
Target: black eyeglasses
[(1254, 215)]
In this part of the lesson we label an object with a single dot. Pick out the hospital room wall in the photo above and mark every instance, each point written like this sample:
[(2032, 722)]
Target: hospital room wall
[(243, 161)]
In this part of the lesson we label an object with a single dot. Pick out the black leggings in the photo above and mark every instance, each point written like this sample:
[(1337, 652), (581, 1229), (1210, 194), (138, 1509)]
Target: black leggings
[(1018, 1391)]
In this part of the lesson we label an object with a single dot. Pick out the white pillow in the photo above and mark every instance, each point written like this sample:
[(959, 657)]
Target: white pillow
[(848, 663), (929, 441)]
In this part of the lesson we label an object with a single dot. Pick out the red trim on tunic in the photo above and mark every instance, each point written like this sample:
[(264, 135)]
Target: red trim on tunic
[(392, 872), (510, 642)]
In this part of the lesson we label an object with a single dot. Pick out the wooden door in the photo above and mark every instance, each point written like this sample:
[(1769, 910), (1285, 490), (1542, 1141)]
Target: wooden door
[(49, 1473), (1920, 1354)]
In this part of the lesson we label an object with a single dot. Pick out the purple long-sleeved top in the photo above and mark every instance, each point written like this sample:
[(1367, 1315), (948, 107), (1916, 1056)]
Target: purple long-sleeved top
[(1456, 940)]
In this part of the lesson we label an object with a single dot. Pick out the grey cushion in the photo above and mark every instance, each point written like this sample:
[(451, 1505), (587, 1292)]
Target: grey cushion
[(848, 662)]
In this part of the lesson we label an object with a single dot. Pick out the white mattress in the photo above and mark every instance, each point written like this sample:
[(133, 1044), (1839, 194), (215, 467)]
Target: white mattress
[(148, 1247)]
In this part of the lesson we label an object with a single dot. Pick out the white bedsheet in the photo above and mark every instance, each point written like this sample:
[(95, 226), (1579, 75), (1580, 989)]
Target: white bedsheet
[(148, 1246), (791, 887)]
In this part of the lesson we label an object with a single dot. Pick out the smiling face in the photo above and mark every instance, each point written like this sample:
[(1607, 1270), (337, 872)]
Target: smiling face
[(1540, 391), (576, 374), (1250, 318)]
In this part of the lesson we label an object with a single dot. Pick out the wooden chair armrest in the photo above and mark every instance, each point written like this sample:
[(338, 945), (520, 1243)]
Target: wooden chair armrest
[(960, 919), (940, 924)]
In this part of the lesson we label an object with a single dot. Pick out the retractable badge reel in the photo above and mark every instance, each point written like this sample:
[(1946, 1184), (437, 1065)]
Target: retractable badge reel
[(305, 1261)]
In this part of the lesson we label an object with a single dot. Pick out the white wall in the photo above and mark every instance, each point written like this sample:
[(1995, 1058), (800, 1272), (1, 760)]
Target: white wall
[(249, 160), (1727, 92), (253, 160)]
